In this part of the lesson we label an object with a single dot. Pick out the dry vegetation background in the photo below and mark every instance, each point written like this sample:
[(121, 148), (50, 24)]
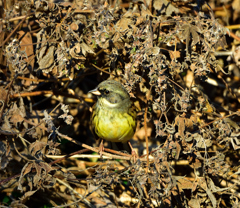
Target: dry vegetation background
[(180, 62)]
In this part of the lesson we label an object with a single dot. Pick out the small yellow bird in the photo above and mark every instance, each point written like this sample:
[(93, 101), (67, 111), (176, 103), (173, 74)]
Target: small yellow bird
[(114, 114)]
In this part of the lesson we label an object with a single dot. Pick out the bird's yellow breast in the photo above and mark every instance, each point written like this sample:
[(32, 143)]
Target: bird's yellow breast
[(114, 126)]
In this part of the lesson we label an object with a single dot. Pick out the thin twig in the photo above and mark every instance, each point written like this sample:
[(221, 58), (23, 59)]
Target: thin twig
[(145, 127), (10, 35), (73, 190)]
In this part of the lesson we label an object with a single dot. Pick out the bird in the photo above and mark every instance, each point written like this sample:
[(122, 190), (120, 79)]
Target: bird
[(114, 114)]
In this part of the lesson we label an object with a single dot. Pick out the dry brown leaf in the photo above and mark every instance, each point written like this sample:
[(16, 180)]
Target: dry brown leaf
[(27, 46)]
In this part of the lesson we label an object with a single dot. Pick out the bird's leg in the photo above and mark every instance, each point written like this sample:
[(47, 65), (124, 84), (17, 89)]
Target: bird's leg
[(134, 154), (101, 148)]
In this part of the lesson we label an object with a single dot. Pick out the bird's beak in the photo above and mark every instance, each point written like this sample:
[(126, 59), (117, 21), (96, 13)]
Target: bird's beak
[(95, 91)]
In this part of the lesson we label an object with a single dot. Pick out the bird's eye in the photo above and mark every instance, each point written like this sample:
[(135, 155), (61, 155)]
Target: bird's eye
[(106, 92)]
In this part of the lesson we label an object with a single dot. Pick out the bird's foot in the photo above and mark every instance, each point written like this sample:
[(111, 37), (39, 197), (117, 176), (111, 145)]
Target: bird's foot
[(101, 149), (134, 154)]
